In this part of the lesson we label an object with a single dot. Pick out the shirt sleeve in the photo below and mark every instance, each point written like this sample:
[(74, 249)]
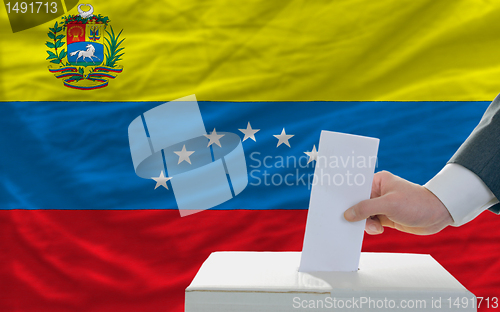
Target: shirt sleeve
[(462, 192)]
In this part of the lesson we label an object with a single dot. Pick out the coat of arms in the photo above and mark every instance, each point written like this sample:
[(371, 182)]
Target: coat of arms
[(85, 50)]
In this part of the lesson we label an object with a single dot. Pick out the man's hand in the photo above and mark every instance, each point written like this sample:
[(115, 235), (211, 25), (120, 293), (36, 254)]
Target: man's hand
[(402, 205)]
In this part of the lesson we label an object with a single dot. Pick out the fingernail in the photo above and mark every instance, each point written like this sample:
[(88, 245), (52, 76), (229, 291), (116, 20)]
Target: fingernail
[(351, 214), (373, 228)]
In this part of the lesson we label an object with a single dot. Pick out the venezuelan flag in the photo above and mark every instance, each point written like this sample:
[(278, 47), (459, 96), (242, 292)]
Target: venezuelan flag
[(80, 231)]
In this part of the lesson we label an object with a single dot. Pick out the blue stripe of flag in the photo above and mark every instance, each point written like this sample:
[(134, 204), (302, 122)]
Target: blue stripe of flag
[(75, 155)]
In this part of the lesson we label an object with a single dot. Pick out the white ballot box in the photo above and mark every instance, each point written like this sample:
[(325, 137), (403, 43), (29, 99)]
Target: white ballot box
[(271, 282)]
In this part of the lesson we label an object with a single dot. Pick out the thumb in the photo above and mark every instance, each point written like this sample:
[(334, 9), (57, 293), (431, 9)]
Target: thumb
[(367, 208)]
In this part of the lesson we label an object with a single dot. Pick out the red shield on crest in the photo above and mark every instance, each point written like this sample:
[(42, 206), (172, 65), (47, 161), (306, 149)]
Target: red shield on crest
[(75, 33)]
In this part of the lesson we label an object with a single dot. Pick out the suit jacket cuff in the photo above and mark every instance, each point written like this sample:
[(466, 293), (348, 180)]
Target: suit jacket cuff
[(480, 153)]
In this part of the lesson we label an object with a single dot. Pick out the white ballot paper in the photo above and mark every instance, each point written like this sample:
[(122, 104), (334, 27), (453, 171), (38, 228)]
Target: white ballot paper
[(343, 177)]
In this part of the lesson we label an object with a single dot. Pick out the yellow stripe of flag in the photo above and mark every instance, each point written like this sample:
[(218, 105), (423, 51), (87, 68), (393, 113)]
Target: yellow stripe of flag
[(344, 50)]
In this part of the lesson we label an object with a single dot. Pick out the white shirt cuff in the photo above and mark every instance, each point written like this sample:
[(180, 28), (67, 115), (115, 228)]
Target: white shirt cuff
[(462, 192)]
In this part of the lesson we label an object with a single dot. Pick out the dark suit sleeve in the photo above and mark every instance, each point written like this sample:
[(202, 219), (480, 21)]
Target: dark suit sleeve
[(480, 153)]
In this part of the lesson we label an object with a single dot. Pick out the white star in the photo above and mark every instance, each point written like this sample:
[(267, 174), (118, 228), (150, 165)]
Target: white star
[(283, 138), (313, 155), (214, 138), (161, 180), (249, 132), (184, 155)]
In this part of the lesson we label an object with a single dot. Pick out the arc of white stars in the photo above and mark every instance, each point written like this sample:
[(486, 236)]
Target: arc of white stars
[(161, 180), (249, 132), (283, 138), (313, 155), (184, 155)]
